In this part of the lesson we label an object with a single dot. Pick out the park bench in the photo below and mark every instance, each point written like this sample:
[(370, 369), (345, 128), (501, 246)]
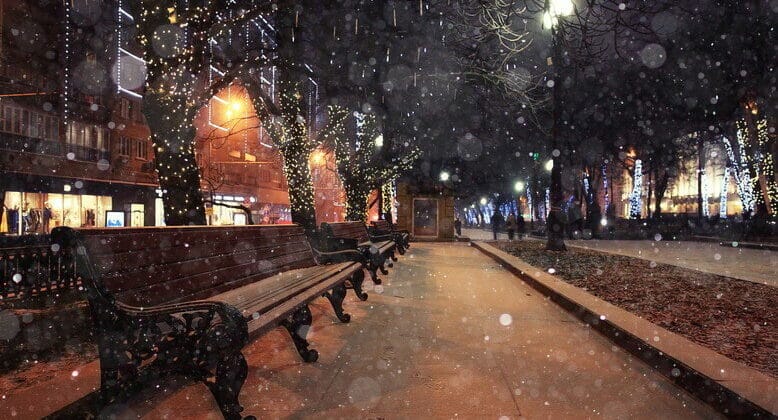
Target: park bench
[(187, 299), (401, 237), (377, 249)]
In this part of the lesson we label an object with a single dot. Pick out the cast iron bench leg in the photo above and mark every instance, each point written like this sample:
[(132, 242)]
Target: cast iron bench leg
[(356, 283), (294, 325), (336, 296), (231, 373)]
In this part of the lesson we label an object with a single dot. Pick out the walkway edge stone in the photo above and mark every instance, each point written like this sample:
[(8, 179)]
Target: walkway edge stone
[(731, 387)]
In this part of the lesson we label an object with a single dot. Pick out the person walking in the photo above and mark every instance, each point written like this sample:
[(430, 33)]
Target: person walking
[(458, 226), (510, 225), (497, 221), (520, 226)]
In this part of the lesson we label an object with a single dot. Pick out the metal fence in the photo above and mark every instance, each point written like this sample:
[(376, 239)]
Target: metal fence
[(29, 267)]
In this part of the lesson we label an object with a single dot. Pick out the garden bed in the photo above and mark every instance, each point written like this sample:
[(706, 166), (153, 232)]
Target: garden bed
[(733, 317)]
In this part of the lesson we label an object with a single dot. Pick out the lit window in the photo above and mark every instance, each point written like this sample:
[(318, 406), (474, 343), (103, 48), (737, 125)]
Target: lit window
[(141, 150)]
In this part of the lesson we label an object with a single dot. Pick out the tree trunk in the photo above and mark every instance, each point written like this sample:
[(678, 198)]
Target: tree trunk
[(650, 188), (659, 193), (296, 149), (356, 199), (700, 169), (174, 156), (555, 224), (294, 144)]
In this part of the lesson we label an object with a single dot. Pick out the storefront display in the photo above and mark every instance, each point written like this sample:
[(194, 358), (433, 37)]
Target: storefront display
[(27, 213)]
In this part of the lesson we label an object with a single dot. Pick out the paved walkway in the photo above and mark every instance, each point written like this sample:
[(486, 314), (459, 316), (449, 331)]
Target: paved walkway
[(449, 334), (759, 266)]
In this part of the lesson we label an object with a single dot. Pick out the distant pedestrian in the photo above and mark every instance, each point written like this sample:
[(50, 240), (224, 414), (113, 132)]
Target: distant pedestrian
[(520, 226), (497, 221), (458, 226), (510, 225)]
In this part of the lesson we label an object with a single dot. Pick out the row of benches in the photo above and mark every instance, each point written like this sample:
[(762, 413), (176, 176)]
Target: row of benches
[(188, 299)]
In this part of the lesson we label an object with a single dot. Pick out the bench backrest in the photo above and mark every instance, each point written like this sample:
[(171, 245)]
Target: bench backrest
[(382, 225), (352, 230), (155, 265)]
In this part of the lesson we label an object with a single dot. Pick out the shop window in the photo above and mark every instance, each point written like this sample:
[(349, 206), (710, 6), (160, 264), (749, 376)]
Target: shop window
[(141, 150), (124, 146)]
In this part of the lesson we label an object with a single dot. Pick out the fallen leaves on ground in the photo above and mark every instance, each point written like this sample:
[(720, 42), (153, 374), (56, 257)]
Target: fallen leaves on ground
[(733, 317)]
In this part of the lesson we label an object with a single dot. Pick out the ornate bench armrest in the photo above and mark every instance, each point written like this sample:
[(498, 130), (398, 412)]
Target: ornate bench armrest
[(230, 317), (339, 256)]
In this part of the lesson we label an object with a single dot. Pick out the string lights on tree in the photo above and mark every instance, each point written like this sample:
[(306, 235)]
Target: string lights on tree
[(360, 165), (635, 199), (739, 168), (723, 195)]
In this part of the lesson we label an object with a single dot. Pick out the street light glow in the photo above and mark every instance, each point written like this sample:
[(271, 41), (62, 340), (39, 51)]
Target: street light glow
[(444, 176), (519, 186), (562, 7), (379, 140), (550, 165), (483, 201), (555, 9)]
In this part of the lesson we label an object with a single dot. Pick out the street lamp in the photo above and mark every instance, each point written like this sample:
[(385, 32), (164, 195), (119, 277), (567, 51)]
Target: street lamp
[(444, 176), (519, 186), (554, 9), (483, 201), (549, 165)]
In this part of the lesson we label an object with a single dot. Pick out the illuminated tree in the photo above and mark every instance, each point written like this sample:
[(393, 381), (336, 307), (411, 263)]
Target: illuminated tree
[(361, 165), (177, 38)]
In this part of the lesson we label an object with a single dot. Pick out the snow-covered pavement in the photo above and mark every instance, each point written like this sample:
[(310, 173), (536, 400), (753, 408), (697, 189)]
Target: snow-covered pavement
[(448, 334)]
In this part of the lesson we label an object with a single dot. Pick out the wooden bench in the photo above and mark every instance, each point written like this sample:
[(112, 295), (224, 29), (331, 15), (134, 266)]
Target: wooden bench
[(187, 299), (401, 237), (377, 249)]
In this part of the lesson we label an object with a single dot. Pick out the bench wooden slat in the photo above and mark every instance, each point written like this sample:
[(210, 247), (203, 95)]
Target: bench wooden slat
[(189, 262), (204, 285), (108, 240), (267, 320), (258, 297)]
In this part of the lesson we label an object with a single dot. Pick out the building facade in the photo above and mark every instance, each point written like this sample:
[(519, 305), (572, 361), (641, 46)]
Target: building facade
[(73, 142)]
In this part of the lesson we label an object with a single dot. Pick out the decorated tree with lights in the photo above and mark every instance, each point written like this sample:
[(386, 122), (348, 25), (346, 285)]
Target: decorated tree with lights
[(357, 141), (177, 38)]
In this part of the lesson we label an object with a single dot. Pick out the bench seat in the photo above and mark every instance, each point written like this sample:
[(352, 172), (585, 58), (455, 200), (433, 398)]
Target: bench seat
[(263, 303)]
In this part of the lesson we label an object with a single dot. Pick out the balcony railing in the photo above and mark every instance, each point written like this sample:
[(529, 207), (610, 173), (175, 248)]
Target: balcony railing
[(30, 145), (29, 267)]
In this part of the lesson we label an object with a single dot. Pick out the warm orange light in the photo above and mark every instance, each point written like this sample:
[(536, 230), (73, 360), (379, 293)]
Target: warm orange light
[(318, 157)]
